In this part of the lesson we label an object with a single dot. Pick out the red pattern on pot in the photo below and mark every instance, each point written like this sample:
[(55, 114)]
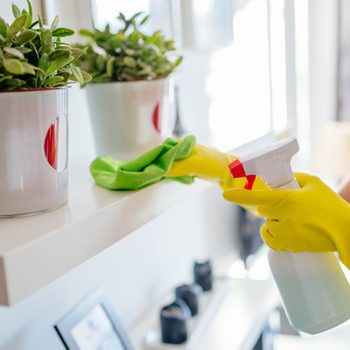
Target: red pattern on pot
[(51, 144), (155, 117)]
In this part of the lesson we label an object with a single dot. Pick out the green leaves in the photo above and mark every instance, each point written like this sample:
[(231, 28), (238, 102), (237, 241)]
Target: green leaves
[(33, 55), (86, 76), (13, 66), (3, 28), (29, 18), (30, 8), (61, 32), (130, 62), (17, 67), (110, 67), (25, 36), (14, 83), (17, 26), (128, 54), (44, 62), (87, 33), (54, 24), (28, 68), (60, 54), (75, 51), (58, 64), (5, 77), (46, 41), (13, 52), (54, 81), (16, 11), (76, 75)]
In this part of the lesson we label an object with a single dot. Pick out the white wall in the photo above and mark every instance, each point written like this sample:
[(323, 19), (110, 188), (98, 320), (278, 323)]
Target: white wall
[(74, 14), (6, 11)]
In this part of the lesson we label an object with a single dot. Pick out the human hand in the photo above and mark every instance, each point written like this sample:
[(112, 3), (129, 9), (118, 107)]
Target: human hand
[(206, 163), (310, 219)]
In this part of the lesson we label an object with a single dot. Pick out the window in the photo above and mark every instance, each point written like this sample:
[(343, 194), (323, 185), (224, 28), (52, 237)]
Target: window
[(238, 78), (237, 81)]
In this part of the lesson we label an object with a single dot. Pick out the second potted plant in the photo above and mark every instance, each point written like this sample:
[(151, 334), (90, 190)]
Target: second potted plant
[(130, 92)]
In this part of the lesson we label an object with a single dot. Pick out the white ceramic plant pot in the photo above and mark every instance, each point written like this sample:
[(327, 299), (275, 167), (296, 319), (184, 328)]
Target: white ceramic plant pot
[(127, 118), (33, 151)]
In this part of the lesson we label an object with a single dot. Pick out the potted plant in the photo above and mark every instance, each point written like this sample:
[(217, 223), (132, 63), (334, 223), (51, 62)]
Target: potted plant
[(130, 90), (35, 68)]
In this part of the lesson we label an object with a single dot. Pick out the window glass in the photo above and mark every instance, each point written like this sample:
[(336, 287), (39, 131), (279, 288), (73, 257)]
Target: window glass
[(106, 11), (238, 84), (212, 23)]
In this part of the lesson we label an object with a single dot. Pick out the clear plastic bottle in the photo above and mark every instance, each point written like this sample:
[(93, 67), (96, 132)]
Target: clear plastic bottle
[(313, 287)]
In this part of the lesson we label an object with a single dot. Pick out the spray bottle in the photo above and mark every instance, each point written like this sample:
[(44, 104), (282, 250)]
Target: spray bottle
[(313, 287)]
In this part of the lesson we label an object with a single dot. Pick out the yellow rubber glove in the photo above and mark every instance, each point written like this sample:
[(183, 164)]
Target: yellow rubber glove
[(212, 165), (311, 219), (206, 163)]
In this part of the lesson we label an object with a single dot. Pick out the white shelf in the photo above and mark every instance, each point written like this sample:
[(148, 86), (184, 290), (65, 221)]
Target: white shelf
[(234, 321), (36, 250)]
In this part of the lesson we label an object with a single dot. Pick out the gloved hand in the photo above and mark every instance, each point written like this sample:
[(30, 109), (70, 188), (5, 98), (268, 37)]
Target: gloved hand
[(209, 164), (310, 219), (212, 165)]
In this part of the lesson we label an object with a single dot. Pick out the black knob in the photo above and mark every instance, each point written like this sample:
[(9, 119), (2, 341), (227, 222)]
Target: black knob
[(203, 275), (173, 319), (190, 295)]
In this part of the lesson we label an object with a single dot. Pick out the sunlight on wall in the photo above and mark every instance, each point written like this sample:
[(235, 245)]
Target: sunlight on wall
[(202, 7), (238, 84)]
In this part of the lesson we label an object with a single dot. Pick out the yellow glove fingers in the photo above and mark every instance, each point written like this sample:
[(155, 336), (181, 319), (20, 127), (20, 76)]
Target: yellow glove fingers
[(255, 198), (281, 239), (181, 168), (272, 225), (267, 237), (275, 235), (284, 239), (303, 179), (207, 163), (307, 180)]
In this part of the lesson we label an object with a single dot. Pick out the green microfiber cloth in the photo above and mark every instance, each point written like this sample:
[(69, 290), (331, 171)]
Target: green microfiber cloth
[(148, 168)]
